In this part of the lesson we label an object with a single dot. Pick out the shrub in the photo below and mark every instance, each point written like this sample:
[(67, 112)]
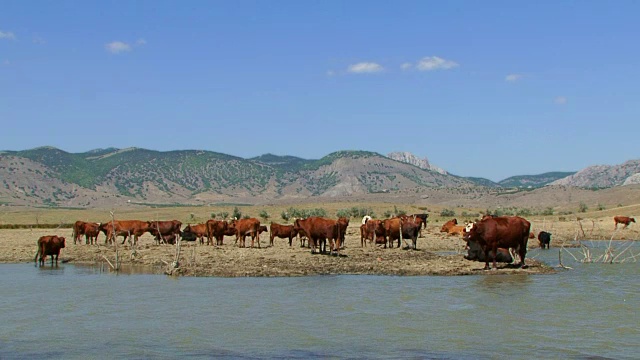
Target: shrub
[(343, 213), (583, 207), (447, 212), (548, 211), (284, 215), (223, 215), (264, 215), (601, 207), (237, 214)]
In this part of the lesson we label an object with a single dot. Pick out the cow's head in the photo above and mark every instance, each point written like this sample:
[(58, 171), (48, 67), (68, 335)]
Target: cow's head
[(62, 241), (468, 227)]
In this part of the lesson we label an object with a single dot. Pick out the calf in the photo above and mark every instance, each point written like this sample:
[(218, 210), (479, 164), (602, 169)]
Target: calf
[(544, 238), (475, 253)]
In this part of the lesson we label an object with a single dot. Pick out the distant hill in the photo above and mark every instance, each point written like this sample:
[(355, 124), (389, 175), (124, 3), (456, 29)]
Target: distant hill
[(482, 181), (602, 176), (53, 177), (48, 176), (534, 181)]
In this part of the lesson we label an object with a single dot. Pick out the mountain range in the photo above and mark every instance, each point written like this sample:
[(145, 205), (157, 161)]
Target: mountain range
[(48, 176)]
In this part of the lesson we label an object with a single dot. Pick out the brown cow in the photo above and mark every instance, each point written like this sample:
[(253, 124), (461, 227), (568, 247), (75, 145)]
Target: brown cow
[(91, 232), (319, 230), (162, 229), (457, 230), (244, 227), (343, 223), (282, 231), (89, 229), (374, 232), (216, 229), (126, 229), (198, 230), (391, 231), (623, 220), (49, 245), (448, 225), (500, 232), (302, 236)]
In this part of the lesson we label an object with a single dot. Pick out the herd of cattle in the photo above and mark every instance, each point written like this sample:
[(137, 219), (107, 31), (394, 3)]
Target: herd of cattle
[(488, 239)]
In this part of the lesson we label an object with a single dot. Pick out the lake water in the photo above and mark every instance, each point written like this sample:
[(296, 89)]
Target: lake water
[(70, 312)]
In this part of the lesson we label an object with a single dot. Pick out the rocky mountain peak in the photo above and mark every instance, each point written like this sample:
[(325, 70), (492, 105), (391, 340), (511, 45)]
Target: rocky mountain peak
[(409, 158)]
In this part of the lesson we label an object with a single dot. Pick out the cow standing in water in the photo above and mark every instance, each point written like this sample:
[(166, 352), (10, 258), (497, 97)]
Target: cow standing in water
[(505, 232), (49, 245)]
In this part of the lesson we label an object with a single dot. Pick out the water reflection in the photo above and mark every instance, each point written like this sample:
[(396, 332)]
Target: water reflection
[(125, 269), (50, 270)]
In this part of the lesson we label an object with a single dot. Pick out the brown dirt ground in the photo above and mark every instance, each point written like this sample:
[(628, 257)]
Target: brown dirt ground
[(19, 245)]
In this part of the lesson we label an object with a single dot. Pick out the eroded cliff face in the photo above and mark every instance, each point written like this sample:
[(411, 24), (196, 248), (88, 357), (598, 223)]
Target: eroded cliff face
[(603, 176), (632, 180), (410, 158)]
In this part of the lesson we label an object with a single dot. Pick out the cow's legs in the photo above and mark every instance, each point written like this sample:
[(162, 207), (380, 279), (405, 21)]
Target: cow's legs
[(522, 252)]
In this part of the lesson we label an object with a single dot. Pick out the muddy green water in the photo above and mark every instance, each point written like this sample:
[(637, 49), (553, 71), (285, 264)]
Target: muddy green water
[(71, 312)]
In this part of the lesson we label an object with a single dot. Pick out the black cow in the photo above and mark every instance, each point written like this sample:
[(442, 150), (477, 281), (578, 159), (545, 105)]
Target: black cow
[(544, 238)]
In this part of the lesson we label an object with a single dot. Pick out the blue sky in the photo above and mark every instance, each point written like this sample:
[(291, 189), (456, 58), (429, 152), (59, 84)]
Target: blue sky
[(489, 89)]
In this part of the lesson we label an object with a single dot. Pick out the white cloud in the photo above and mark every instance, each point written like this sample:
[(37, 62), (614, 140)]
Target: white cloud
[(330, 73), (405, 66), (560, 100), (6, 62), (38, 40), (365, 67), (7, 35), (431, 63), (117, 47), (141, 42), (513, 77)]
